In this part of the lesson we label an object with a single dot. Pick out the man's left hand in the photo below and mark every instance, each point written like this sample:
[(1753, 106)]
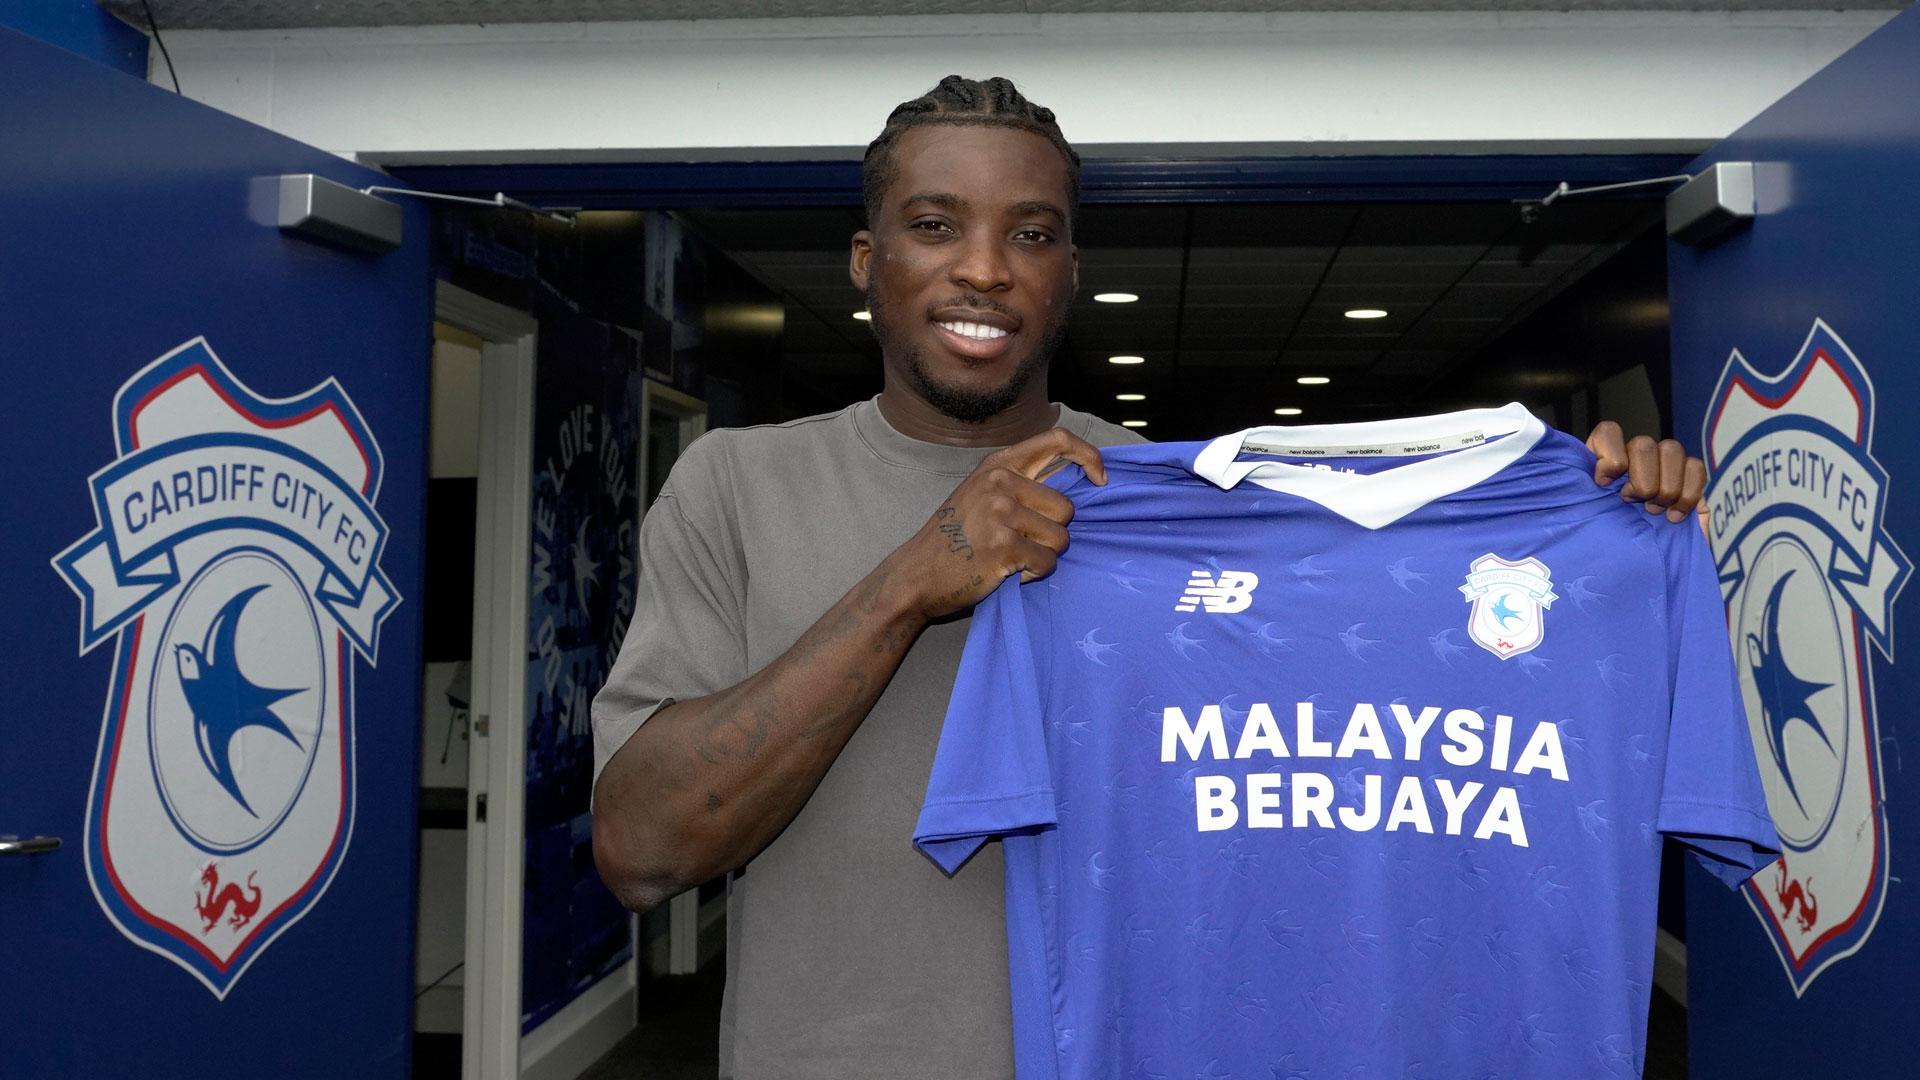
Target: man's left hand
[(1659, 474)]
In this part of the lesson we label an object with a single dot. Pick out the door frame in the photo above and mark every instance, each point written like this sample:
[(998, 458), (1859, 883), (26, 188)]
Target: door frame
[(496, 770)]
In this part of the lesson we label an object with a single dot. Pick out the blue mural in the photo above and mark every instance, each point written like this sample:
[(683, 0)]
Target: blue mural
[(586, 510)]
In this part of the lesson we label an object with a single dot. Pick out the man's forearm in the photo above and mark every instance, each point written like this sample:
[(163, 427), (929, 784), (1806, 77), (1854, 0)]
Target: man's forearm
[(706, 783)]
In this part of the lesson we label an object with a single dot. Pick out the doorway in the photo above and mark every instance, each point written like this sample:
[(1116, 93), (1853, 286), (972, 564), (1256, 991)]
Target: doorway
[(1231, 312), (476, 530)]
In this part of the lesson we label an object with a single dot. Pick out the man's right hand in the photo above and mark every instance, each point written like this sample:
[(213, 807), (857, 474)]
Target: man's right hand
[(707, 782), (1001, 520)]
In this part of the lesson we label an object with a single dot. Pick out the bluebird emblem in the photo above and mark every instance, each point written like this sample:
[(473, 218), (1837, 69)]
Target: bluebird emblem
[(1502, 612), (222, 699), (1783, 695)]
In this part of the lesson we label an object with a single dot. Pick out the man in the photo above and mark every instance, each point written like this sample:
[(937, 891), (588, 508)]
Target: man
[(744, 730)]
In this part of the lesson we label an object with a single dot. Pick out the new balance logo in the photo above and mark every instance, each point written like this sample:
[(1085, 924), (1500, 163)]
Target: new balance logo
[(1233, 592)]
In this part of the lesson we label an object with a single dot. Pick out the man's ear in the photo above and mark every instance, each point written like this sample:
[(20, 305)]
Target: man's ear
[(1075, 249), (859, 258)]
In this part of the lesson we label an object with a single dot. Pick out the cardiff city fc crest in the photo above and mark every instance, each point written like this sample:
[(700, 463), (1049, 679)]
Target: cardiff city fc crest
[(1510, 602), (236, 565), (1810, 576)]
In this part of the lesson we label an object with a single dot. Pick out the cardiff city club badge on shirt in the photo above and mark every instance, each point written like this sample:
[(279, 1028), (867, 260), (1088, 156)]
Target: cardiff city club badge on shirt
[(1510, 602), (1810, 576), (236, 565)]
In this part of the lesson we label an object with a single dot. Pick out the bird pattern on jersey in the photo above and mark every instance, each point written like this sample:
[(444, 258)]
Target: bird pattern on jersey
[(1276, 882)]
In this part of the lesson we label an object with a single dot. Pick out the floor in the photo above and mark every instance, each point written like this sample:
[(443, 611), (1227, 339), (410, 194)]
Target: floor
[(678, 1032), (676, 1038)]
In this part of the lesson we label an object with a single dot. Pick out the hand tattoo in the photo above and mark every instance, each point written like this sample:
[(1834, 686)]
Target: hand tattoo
[(956, 537)]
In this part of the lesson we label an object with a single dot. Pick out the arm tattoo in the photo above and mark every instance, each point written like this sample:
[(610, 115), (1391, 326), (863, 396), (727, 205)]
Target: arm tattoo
[(960, 593)]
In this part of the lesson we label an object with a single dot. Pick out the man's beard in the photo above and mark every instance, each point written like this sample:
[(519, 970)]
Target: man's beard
[(969, 406)]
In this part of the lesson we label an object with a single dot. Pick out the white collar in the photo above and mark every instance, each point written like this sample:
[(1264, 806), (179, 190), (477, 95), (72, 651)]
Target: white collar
[(1376, 499)]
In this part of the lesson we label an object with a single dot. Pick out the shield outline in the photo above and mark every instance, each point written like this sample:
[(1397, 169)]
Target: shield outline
[(1478, 595), (1822, 346), (143, 928)]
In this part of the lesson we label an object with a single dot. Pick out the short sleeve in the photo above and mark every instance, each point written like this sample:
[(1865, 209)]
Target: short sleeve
[(990, 775), (1712, 799), (685, 639)]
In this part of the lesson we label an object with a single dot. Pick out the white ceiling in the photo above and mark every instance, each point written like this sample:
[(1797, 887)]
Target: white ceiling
[(262, 14)]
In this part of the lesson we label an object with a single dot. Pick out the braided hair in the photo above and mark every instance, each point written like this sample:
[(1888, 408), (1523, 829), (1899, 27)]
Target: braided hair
[(962, 102)]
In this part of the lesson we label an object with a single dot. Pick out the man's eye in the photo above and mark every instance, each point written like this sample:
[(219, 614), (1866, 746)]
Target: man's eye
[(930, 226), (1034, 235)]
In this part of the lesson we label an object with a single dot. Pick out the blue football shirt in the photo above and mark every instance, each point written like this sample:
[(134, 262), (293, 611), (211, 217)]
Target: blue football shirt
[(1347, 752)]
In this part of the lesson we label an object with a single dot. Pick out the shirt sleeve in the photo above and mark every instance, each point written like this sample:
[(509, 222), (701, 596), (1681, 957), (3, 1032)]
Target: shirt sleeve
[(1712, 799), (990, 775), (686, 637)]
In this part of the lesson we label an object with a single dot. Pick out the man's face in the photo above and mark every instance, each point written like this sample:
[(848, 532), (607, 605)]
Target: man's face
[(969, 266)]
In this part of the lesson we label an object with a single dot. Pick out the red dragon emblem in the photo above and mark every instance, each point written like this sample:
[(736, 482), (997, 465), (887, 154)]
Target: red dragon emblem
[(1796, 894), (214, 904)]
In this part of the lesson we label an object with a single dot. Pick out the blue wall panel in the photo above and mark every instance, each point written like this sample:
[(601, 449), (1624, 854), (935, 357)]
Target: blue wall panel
[(134, 223), (1811, 971)]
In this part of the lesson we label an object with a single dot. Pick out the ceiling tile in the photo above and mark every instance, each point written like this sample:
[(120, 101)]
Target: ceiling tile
[(1226, 358), (1394, 298), (1297, 275), (1105, 227), (1259, 256), (1561, 254), (1393, 273), (1255, 225), (1471, 223), (1483, 301), (1495, 272), (1461, 255)]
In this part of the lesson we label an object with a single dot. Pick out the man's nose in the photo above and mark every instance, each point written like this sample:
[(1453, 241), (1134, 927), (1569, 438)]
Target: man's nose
[(982, 265)]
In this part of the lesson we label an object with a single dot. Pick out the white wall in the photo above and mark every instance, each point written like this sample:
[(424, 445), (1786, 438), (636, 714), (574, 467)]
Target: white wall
[(1318, 83)]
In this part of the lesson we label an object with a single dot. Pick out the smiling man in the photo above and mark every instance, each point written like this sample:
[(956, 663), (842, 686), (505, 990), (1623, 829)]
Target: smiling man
[(778, 700)]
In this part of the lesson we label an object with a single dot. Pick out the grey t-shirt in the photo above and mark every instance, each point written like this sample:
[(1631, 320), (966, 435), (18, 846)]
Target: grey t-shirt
[(849, 954)]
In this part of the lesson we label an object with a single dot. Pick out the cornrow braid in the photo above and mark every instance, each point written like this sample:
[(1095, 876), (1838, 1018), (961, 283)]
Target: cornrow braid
[(963, 102)]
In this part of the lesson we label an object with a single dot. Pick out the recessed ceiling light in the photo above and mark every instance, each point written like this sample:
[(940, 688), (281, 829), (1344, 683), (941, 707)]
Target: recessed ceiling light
[(1286, 412), (863, 315), (1115, 297), (1366, 313), (1133, 423), (1126, 359), (1129, 397), (1313, 380)]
